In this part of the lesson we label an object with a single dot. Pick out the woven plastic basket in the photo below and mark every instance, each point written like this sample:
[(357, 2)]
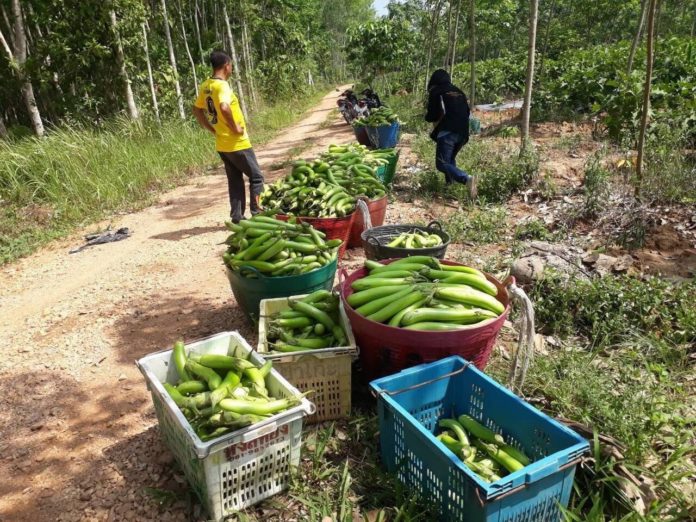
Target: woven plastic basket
[(375, 241)]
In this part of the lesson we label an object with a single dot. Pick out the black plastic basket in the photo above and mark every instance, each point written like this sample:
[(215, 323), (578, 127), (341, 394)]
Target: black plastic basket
[(375, 240)]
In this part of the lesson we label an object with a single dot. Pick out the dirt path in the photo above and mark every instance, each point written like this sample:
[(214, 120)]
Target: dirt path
[(77, 432)]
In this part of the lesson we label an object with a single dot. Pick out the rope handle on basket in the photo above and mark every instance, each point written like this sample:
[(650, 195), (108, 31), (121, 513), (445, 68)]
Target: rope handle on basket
[(525, 344), (435, 224), (421, 384), (362, 207), (342, 276)]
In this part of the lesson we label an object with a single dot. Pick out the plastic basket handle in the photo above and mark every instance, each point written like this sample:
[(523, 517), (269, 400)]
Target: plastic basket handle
[(435, 224), (259, 432), (367, 220), (249, 269), (424, 383), (373, 240)]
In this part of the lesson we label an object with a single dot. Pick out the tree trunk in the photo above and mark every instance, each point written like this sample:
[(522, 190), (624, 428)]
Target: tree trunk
[(20, 57), (235, 62), (204, 17), (527, 109), (197, 28), (431, 40), (153, 93), (216, 23), (6, 46), (446, 62), (636, 38), (646, 97), (249, 65), (172, 60), (121, 62), (186, 47), (8, 24), (3, 129), (454, 38), (472, 52)]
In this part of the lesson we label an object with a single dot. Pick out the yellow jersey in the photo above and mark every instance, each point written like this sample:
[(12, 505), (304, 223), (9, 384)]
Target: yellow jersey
[(211, 94)]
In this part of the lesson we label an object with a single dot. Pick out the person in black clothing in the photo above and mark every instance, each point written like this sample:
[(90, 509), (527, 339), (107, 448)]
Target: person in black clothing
[(448, 109)]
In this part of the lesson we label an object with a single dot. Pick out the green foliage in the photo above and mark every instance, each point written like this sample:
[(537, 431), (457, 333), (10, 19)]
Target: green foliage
[(611, 309), (636, 395), (375, 47), (510, 174), (501, 172), (595, 186), (342, 478), (670, 173), (477, 225), (497, 79), (533, 229), (595, 81)]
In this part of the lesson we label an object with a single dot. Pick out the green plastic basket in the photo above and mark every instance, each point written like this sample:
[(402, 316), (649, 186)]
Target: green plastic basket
[(385, 173), (249, 291)]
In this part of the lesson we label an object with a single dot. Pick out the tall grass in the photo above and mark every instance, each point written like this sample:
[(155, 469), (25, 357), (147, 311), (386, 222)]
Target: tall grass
[(79, 174)]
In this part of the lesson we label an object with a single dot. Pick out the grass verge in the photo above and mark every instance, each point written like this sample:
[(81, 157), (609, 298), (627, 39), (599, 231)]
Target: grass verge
[(79, 174)]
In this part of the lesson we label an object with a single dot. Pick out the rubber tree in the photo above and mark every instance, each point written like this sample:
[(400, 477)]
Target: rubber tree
[(453, 58), (435, 18), (3, 129), (122, 71), (151, 81), (172, 60), (186, 47), (18, 58), (472, 52), (529, 83), (197, 29), (636, 38), (645, 114), (235, 61)]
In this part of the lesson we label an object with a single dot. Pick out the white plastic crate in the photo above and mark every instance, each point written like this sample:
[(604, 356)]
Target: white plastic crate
[(241, 468), (326, 371)]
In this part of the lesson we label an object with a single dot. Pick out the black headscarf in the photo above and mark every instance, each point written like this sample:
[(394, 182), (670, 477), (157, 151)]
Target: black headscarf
[(439, 77)]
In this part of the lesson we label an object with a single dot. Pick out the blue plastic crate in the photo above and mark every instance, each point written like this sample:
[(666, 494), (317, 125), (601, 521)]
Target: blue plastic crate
[(451, 387)]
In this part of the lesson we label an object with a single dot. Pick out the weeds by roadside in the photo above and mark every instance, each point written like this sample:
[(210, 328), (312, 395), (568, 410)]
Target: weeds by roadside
[(611, 309), (501, 173), (477, 225)]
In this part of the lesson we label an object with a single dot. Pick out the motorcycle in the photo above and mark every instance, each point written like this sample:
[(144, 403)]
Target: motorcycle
[(347, 105), (352, 108), (371, 99)]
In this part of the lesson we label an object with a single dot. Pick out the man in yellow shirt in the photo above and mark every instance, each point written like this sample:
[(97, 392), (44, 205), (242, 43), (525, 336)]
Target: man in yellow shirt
[(217, 110)]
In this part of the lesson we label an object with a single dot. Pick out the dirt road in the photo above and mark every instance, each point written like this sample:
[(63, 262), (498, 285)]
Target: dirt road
[(78, 437)]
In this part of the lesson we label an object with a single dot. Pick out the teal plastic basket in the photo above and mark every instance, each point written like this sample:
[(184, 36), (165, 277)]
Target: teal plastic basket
[(411, 403), (384, 136), (249, 291)]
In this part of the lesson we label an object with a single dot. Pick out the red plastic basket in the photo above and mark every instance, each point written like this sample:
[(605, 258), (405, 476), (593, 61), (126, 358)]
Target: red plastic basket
[(334, 228), (378, 211), (386, 349)]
